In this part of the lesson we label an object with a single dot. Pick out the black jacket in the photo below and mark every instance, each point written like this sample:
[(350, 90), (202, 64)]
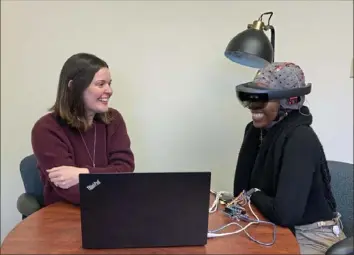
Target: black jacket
[(290, 169)]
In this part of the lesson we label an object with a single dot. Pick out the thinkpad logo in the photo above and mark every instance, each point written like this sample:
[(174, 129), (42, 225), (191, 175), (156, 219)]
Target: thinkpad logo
[(93, 185)]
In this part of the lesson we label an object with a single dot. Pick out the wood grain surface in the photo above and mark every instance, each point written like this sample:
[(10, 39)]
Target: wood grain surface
[(56, 229)]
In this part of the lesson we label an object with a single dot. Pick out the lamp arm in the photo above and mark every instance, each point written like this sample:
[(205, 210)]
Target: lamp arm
[(266, 13), (272, 29), (272, 39)]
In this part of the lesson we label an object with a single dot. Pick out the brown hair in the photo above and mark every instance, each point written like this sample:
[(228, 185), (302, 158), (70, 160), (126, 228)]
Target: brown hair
[(79, 69)]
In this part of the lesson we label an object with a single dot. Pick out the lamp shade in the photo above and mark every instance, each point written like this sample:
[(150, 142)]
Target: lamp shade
[(250, 48)]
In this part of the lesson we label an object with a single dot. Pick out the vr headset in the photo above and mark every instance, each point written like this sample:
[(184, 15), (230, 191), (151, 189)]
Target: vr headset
[(252, 96)]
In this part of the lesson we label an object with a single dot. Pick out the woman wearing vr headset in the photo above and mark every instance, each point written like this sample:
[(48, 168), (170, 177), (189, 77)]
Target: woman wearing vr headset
[(282, 164)]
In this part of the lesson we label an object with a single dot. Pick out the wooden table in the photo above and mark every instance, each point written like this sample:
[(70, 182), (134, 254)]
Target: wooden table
[(56, 229)]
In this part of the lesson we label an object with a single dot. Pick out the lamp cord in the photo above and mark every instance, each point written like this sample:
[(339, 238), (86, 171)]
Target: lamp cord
[(272, 40)]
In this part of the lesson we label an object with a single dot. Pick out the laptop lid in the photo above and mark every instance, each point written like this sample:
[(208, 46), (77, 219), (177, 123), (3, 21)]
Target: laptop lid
[(125, 210)]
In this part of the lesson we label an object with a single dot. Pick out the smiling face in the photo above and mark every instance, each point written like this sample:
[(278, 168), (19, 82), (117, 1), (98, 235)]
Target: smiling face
[(276, 76), (264, 113), (98, 93)]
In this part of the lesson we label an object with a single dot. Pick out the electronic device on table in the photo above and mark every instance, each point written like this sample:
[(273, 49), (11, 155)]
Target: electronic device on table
[(235, 208), (125, 210)]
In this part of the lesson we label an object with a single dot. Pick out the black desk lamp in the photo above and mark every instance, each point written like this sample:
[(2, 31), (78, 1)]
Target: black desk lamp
[(252, 47)]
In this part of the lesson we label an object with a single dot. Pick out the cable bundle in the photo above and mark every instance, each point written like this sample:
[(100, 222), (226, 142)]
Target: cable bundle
[(235, 210)]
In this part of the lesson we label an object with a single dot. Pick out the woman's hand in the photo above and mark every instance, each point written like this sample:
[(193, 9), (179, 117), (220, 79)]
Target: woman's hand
[(65, 176)]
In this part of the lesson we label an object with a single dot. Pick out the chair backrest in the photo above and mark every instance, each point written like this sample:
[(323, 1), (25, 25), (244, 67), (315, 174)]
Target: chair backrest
[(31, 178), (342, 188)]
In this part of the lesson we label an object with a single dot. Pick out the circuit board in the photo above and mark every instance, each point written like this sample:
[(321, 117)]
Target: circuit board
[(234, 210)]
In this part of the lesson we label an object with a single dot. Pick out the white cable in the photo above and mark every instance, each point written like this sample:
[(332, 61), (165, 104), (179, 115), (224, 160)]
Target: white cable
[(244, 200), (249, 206), (214, 207), (211, 234)]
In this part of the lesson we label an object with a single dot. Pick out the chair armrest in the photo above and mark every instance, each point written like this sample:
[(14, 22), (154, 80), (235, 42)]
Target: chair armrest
[(343, 247), (27, 204)]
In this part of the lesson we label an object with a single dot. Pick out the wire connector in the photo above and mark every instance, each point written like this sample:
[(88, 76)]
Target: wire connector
[(218, 197)]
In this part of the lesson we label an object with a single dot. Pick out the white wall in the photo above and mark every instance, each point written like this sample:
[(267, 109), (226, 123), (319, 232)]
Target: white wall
[(172, 82)]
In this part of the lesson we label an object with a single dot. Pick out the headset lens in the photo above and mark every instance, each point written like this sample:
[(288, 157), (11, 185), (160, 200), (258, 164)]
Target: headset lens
[(254, 105), (253, 101)]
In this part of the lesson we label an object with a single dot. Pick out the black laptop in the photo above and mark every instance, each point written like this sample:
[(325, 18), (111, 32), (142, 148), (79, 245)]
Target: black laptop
[(142, 210)]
